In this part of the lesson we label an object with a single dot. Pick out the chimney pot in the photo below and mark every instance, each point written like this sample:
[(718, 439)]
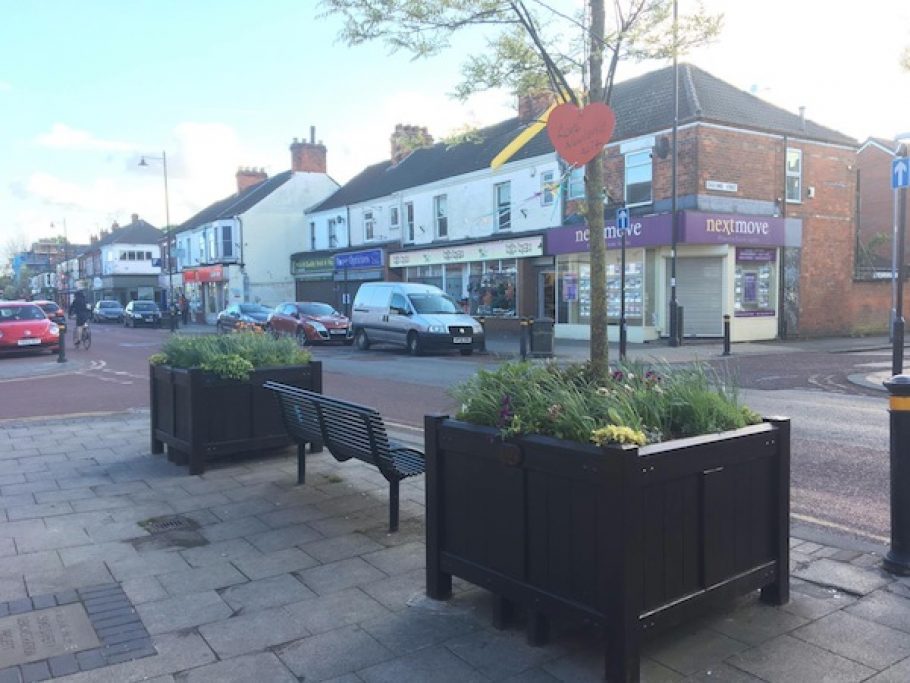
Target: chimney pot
[(408, 138), (135, 218), (248, 176)]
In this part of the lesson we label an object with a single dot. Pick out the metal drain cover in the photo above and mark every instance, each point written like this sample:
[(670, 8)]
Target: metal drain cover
[(158, 525)]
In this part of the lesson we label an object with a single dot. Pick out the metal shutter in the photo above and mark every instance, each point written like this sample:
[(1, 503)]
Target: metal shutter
[(699, 290)]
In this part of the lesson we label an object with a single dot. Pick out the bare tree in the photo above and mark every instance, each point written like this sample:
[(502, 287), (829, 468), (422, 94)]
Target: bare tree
[(532, 45)]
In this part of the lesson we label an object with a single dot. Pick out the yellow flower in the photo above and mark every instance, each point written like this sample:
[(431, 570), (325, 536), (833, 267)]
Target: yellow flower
[(617, 434)]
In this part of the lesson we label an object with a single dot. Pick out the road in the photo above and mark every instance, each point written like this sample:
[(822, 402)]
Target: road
[(840, 475)]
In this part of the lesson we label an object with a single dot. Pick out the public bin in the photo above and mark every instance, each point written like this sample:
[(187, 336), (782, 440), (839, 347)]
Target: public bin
[(542, 337)]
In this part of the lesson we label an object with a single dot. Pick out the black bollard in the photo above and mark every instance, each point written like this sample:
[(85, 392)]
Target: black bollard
[(531, 336), (726, 334), (483, 328), (679, 325), (523, 338), (622, 339), (897, 560), (61, 347)]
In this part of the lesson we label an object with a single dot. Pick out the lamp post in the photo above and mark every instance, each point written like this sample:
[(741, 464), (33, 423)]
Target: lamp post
[(167, 237), (674, 304)]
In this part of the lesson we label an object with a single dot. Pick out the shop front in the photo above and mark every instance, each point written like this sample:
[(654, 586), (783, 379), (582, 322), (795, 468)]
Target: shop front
[(314, 277), (353, 268), (726, 264), (496, 279), (206, 292)]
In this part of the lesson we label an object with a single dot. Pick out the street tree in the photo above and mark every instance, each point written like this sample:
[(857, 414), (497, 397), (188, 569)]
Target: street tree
[(535, 45)]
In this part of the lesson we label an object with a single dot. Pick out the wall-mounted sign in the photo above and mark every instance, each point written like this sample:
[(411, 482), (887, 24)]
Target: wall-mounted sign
[(465, 253), (721, 186), (313, 264), (204, 274), (371, 258)]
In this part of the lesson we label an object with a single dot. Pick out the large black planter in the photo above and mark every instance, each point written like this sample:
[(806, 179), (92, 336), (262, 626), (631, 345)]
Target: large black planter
[(202, 417), (634, 540)]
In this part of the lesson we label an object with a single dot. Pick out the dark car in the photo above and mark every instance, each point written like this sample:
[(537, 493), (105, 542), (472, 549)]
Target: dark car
[(52, 311), (107, 310), (142, 313), (241, 316), (310, 321)]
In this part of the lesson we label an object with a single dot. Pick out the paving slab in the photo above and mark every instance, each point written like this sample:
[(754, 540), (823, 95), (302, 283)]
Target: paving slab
[(328, 655), (863, 641), (847, 577), (263, 666), (787, 659)]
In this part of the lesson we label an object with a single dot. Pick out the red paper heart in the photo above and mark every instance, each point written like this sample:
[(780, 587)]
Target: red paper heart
[(580, 134)]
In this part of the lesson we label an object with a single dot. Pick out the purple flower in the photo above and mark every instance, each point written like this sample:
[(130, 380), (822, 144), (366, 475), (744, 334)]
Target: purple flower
[(505, 412), (618, 376)]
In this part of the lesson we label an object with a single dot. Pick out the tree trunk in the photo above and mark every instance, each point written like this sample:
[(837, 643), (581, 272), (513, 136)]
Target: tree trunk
[(594, 196)]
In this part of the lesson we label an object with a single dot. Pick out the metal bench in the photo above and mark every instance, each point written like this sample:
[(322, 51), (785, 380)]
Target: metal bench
[(347, 430)]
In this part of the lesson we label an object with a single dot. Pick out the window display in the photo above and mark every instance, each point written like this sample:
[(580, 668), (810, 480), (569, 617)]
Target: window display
[(634, 278), (755, 282)]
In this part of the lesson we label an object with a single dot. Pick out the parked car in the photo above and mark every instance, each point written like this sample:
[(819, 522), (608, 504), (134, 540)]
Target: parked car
[(107, 310), (142, 313), (238, 316), (418, 317), (52, 311), (23, 326), (310, 321)]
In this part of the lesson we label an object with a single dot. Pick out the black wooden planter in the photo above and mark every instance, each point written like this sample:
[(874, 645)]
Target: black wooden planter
[(634, 540), (202, 417)]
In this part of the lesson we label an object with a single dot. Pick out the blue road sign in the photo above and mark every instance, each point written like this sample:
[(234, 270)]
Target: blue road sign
[(900, 172), (622, 219)]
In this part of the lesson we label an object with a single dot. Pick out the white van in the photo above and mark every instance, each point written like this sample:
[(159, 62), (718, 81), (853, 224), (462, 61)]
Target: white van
[(418, 317)]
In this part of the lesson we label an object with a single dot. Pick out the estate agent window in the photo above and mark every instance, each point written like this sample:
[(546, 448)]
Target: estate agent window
[(504, 205), (794, 175), (755, 282), (639, 171), (440, 211)]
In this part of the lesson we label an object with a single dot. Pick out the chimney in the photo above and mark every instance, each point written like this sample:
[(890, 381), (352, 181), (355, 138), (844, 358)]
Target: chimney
[(802, 118), (406, 139), (532, 105), (247, 177), (135, 218), (308, 157)]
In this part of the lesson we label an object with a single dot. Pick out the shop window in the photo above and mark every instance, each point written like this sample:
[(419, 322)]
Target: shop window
[(409, 221), (755, 283), (639, 171), (794, 175), (504, 205), (369, 226), (576, 188), (547, 194), (440, 212)]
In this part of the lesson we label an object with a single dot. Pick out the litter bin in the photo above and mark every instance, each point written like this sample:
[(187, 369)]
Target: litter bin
[(542, 337)]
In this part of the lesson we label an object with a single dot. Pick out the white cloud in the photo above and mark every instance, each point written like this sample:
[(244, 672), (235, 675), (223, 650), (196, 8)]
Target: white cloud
[(62, 136), (5, 87)]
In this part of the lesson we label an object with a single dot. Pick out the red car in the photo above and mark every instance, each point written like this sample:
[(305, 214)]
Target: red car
[(52, 310), (309, 322), (24, 326)]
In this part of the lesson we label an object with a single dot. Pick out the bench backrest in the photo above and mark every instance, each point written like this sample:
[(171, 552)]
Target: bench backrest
[(348, 430)]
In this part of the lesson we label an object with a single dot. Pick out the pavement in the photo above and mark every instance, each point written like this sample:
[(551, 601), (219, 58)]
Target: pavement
[(117, 566)]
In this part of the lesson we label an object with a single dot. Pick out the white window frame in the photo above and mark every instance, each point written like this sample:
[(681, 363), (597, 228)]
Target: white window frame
[(796, 175), (394, 217), (575, 185), (503, 205), (635, 160), (410, 235), (333, 237), (441, 216), (369, 226), (312, 235), (547, 193)]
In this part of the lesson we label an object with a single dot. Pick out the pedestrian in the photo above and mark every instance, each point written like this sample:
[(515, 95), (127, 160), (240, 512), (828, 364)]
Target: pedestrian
[(184, 308)]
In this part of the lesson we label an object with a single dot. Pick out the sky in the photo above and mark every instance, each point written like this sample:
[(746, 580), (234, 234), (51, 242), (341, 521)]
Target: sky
[(87, 88)]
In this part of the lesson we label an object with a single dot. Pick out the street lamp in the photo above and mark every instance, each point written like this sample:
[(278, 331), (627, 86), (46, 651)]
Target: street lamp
[(897, 266), (167, 235)]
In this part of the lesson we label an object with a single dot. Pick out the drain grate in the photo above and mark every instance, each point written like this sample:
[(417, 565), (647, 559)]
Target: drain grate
[(158, 525)]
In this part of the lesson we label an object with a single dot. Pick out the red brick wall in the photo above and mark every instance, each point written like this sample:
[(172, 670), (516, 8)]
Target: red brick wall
[(308, 157), (876, 199)]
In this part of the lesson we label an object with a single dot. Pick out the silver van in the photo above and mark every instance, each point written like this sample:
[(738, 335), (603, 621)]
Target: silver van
[(418, 317)]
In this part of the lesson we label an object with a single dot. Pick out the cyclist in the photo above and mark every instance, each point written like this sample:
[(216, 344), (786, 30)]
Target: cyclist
[(79, 308)]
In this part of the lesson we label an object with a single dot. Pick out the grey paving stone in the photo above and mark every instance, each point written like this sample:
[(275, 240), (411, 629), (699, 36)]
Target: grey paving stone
[(287, 516), (17, 565), (187, 503), (395, 591), (244, 508), (263, 593), (66, 597), (883, 607), (219, 552), (327, 655), (251, 632), (35, 671), (899, 673), (111, 531), (399, 559), (144, 589), (842, 575), (341, 547), (35, 511), (501, 654), (720, 672), (90, 659), (691, 648), (99, 552), (19, 606), (182, 612), (327, 612), (272, 564), (63, 665), (43, 601), (374, 519), (337, 576), (51, 540), (147, 564), (198, 486), (12, 588), (435, 664), (11, 675), (21, 528), (863, 641), (413, 629), (259, 667), (786, 659), (209, 577), (755, 622), (246, 526), (56, 496), (812, 608), (61, 579), (285, 537)]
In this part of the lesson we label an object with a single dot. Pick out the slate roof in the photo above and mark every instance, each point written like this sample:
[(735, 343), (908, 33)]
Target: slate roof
[(643, 105), (237, 203), (139, 232)]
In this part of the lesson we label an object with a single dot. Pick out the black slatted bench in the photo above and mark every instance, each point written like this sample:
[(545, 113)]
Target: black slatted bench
[(348, 430)]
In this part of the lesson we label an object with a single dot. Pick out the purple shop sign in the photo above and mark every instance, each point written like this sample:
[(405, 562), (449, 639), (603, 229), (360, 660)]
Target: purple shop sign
[(644, 231)]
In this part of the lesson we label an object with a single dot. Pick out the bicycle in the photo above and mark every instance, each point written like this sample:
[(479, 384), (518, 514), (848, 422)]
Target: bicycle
[(85, 339)]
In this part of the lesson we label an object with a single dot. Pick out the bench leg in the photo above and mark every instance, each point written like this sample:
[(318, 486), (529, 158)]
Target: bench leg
[(503, 611), (622, 663), (316, 447), (157, 445), (393, 506), (301, 463), (538, 628), (197, 462)]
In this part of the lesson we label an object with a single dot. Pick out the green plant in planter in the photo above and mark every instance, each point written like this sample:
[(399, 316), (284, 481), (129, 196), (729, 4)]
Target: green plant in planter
[(635, 404), (231, 356)]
